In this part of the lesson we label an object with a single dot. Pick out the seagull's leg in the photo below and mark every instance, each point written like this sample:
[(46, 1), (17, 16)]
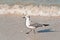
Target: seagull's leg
[(34, 31), (29, 31)]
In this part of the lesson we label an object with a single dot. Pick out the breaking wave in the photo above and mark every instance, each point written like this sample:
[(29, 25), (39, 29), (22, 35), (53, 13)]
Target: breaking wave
[(30, 10)]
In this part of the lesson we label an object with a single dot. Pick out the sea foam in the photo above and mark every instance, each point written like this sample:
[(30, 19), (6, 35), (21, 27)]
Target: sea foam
[(40, 10)]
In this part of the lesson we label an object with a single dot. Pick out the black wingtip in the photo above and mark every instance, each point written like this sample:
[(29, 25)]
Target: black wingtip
[(46, 24)]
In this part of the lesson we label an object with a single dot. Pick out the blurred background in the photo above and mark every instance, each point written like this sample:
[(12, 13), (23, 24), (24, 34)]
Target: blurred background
[(31, 1)]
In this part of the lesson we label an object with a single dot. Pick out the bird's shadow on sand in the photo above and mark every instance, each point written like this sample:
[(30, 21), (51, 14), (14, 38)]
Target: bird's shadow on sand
[(45, 30)]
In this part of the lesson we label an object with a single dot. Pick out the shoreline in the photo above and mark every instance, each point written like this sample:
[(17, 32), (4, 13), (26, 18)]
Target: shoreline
[(29, 15)]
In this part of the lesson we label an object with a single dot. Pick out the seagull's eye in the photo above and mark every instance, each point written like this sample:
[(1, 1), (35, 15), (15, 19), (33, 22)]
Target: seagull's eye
[(29, 16)]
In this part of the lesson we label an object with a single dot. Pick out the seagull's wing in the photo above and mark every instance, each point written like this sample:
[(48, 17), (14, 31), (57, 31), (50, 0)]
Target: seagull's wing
[(36, 25)]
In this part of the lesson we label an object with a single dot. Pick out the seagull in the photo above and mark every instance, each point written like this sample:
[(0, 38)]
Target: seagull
[(32, 26)]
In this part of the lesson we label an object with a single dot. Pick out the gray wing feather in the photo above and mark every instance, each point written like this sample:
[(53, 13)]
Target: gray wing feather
[(36, 25)]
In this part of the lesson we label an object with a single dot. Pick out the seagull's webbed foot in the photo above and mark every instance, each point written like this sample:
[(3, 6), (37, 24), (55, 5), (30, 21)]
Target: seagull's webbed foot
[(28, 32)]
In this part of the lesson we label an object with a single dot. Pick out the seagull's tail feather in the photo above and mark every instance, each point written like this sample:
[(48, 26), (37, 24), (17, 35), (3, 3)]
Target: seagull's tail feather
[(45, 24)]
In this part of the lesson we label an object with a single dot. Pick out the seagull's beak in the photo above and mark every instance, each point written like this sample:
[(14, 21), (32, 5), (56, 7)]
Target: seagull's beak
[(23, 17)]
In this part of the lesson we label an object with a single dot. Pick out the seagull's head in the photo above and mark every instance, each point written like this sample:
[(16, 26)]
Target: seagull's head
[(26, 16)]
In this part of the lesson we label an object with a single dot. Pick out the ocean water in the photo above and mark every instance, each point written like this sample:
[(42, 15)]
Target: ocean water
[(32, 1), (5, 9)]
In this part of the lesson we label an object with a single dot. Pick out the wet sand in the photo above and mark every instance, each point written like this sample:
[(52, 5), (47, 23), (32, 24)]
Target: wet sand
[(13, 27)]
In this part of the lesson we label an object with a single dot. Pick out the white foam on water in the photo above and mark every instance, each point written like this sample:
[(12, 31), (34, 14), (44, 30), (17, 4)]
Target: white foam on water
[(30, 10)]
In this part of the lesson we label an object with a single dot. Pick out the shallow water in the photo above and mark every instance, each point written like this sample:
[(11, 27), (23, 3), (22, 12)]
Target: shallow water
[(13, 28), (32, 1)]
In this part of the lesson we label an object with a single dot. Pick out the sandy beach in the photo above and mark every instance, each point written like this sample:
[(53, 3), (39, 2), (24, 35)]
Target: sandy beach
[(13, 27)]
